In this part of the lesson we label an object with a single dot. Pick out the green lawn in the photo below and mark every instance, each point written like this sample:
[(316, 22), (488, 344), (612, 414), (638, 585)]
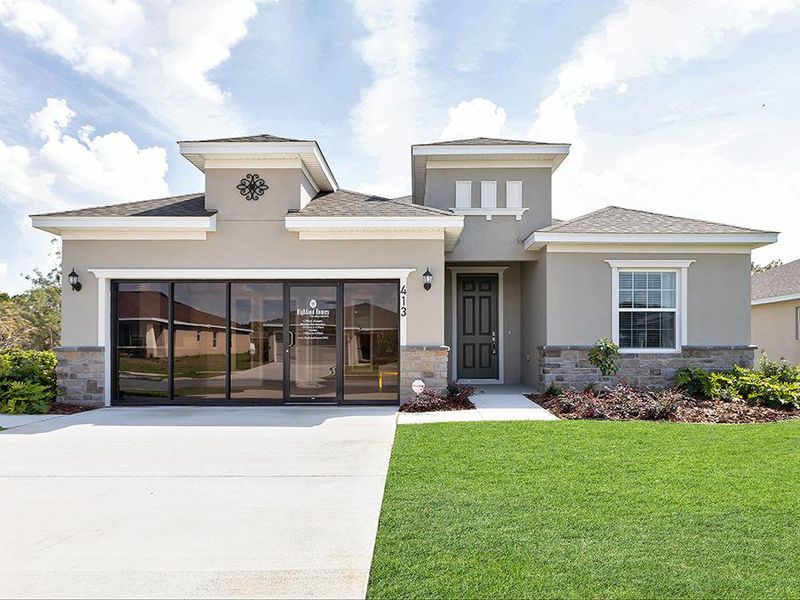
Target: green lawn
[(590, 509)]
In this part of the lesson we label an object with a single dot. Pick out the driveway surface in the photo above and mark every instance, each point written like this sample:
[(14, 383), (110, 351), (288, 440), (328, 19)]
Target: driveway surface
[(193, 502)]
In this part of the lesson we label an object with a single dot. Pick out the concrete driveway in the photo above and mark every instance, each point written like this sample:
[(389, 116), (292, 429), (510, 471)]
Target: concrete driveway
[(193, 502)]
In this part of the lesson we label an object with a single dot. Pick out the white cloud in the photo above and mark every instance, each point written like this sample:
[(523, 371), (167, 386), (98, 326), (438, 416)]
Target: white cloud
[(387, 119), (474, 118), (159, 54), (68, 172), (645, 37)]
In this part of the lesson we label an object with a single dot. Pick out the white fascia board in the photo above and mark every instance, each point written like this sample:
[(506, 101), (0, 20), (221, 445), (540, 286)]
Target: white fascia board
[(518, 149), (537, 239), (97, 227), (367, 273), (772, 299), (196, 153)]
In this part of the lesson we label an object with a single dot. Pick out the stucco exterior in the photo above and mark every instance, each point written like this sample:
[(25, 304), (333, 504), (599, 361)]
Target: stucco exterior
[(774, 329)]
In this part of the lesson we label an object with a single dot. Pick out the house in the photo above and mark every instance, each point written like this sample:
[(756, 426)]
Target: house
[(275, 285), (775, 316)]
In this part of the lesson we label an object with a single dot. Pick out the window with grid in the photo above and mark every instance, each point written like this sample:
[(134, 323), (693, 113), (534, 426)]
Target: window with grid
[(647, 309)]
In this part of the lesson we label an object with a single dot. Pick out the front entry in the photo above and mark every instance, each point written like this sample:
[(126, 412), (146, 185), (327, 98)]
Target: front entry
[(477, 327)]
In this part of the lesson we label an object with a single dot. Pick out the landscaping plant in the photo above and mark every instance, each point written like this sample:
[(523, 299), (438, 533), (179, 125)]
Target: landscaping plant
[(454, 397), (27, 381), (605, 356)]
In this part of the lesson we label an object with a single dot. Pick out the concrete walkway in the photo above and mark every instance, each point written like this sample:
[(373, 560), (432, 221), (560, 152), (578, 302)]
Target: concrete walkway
[(492, 403), (9, 421), (187, 502)]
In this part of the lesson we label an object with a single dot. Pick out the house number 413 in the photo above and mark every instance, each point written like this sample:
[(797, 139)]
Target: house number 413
[(403, 309)]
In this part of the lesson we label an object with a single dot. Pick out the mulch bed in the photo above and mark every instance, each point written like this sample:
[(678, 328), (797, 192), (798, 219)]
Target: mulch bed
[(454, 397), (625, 403), (64, 408)]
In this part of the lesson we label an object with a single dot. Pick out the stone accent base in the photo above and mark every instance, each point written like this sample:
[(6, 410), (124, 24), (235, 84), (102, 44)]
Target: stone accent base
[(569, 367), (428, 363), (80, 374)]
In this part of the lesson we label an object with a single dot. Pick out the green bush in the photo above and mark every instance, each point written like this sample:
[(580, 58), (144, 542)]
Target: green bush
[(27, 381), (21, 397), (605, 356), (775, 384)]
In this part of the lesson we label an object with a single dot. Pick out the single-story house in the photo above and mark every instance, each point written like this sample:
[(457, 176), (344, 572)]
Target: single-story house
[(775, 317), (275, 285)]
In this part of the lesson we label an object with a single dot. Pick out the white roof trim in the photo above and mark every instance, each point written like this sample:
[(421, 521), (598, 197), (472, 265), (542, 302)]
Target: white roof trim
[(771, 299), (478, 149), (370, 273), (309, 152), (538, 239), (132, 227)]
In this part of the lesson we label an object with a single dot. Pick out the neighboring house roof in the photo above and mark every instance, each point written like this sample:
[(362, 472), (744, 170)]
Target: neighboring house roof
[(186, 205), (346, 203), (776, 284), (484, 141), (615, 219), (261, 137)]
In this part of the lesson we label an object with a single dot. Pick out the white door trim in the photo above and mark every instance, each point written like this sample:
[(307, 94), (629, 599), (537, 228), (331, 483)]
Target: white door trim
[(455, 272)]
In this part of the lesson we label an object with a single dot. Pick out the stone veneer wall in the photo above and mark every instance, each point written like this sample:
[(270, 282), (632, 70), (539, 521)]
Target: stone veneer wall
[(80, 374), (569, 367), (428, 363)]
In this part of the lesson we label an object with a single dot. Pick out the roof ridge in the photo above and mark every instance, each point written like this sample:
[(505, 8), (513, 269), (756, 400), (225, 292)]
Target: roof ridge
[(118, 204)]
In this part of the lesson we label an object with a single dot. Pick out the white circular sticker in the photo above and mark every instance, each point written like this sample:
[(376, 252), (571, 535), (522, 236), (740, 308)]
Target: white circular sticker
[(312, 303), (418, 386)]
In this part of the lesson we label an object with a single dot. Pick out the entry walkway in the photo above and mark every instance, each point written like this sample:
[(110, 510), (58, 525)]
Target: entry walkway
[(493, 403), (187, 502)]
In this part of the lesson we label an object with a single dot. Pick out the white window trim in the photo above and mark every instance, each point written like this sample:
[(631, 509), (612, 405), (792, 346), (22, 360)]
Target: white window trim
[(510, 184), (681, 267), (467, 184), (489, 185)]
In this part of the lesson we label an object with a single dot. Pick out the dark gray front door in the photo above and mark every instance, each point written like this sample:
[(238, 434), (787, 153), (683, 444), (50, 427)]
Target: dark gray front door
[(477, 327)]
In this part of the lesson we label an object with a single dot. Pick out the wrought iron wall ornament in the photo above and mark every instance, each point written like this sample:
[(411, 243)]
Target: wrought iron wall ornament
[(252, 186)]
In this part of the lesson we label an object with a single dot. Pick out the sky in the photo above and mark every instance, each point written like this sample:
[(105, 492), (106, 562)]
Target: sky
[(683, 107)]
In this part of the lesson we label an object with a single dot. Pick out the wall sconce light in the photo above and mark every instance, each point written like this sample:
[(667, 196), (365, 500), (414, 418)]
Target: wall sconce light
[(73, 281), (427, 279)]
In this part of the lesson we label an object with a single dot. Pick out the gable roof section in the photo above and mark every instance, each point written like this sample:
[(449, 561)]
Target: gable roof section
[(186, 205), (347, 203), (261, 137), (175, 217), (485, 141), (617, 225), (776, 284)]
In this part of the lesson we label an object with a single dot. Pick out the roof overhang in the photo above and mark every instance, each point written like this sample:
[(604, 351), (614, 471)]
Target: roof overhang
[(445, 227), (773, 299), (206, 155), (546, 154), (127, 228), (747, 241)]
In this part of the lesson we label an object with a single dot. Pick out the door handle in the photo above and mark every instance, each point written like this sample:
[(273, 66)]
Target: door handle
[(291, 340)]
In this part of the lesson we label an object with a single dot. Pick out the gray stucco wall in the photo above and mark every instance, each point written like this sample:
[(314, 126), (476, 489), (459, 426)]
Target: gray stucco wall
[(498, 239), (579, 297), (533, 291)]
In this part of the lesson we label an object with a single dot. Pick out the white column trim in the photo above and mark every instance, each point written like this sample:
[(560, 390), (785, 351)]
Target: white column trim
[(104, 333), (499, 271)]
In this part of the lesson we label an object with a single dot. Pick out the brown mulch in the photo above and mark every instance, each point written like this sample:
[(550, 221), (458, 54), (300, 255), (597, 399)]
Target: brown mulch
[(454, 397), (625, 403), (64, 408)]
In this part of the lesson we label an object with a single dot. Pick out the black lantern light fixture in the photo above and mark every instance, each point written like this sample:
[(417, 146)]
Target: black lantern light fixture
[(427, 279), (73, 280)]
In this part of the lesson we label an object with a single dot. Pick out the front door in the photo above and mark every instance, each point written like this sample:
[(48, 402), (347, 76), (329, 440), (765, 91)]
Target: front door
[(313, 357), (477, 327)]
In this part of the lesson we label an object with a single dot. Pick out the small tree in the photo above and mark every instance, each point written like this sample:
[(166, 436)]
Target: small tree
[(605, 356)]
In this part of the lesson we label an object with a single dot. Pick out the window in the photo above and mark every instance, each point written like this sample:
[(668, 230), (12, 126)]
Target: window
[(488, 194), (463, 194), (513, 194), (647, 309)]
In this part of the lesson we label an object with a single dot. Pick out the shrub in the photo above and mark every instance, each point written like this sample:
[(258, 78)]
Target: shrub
[(22, 397), (553, 390), (694, 381), (454, 397), (605, 356)]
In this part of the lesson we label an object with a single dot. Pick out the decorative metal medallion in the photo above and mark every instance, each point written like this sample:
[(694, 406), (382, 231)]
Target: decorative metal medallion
[(252, 186)]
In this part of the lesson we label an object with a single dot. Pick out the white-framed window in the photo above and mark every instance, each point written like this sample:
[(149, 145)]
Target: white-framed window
[(513, 194), (488, 194), (649, 301), (463, 194)]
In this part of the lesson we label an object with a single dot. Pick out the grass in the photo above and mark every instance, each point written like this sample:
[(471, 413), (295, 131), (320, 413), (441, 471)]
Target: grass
[(590, 509)]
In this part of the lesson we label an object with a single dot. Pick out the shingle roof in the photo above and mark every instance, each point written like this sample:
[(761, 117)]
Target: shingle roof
[(777, 281), (614, 219), (187, 205), (346, 203), (261, 137), (484, 141)]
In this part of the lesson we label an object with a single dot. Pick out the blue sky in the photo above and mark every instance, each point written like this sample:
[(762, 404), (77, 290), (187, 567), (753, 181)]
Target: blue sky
[(687, 108)]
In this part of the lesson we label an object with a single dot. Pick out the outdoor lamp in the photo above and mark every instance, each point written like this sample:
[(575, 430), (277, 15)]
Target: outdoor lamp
[(73, 281), (427, 278)]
